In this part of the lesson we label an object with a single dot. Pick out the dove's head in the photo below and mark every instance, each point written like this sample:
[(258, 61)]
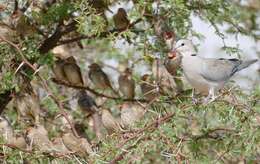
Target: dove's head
[(183, 47)]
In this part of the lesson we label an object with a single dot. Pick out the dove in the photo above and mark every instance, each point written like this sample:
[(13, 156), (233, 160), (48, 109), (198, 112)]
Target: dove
[(206, 75), (127, 84), (99, 78), (120, 19)]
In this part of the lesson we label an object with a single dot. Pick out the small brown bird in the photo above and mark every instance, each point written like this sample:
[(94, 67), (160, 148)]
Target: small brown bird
[(100, 5), (88, 105), (72, 72), (58, 69), (149, 89), (19, 142), (38, 138), (120, 19), (169, 37), (78, 145), (127, 84), (99, 78), (28, 107), (131, 113), (6, 131), (110, 122), (172, 65), (59, 146)]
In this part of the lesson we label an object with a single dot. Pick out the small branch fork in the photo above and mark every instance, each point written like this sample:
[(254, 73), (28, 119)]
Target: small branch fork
[(44, 83)]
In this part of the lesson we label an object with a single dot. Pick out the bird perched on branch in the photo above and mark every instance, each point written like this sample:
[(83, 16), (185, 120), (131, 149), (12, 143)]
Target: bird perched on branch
[(58, 69), (78, 145), (100, 5), (28, 107), (127, 84), (88, 105), (110, 122), (131, 112), (120, 19), (207, 75), (38, 138), (72, 72), (100, 78), (149, 89)]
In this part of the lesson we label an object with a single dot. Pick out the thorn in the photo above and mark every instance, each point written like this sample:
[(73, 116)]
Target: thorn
[(20, 66)]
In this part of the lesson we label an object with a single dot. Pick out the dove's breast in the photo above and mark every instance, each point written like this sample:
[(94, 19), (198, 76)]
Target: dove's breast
[(192, 68)]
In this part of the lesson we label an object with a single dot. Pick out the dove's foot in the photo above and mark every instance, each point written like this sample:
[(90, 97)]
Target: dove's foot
[(194, 101), (209, 100)]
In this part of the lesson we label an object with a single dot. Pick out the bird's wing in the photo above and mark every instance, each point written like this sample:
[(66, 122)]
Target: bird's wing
[(219, 70)]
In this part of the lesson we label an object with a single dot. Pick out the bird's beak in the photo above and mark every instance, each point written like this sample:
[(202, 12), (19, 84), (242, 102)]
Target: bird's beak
[(172, 54)]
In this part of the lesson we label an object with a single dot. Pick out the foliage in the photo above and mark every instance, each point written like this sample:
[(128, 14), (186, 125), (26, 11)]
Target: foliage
[(224, 131)]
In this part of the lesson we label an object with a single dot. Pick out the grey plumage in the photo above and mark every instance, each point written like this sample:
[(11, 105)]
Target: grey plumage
[(222, 69)]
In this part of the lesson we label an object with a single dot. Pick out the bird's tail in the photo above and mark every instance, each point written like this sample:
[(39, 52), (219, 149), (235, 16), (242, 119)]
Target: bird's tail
[(245, 64)]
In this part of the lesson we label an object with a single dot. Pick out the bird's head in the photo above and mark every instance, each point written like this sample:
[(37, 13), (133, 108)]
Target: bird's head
[(94, 66), (122, 12), (183, 47), (71, 59)]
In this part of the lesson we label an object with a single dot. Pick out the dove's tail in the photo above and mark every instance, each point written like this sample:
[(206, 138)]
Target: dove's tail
[(245, 64)]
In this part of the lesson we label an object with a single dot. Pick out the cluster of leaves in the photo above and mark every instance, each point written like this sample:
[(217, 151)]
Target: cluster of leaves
[(221, 131)]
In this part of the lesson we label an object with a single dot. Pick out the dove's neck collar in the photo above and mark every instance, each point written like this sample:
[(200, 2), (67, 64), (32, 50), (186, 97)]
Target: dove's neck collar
[(190, 53)]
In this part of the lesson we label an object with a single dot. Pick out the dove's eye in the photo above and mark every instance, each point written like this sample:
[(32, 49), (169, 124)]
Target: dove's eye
[(182, 44)]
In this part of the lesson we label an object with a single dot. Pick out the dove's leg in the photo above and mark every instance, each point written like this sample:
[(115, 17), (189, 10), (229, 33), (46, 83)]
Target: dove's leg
[(211, 96), (194, 100)]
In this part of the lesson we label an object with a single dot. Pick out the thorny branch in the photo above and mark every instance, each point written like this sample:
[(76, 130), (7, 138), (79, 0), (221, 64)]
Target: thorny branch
[(45, 85), (93, 91), (116, 32)]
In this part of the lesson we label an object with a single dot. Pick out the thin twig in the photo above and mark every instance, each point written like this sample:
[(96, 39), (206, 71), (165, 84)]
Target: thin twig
[(45, 85), (93, 91)]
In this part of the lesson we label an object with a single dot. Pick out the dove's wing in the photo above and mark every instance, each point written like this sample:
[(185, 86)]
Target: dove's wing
[(219, 70)]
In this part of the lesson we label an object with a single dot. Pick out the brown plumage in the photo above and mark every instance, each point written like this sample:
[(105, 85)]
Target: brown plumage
[(127, 84), (38, 138), (78, 145), (58, 70), (72, 72), (172, 65), (131, 113), (88, 105), (99, 5), (148, 88), (110, 122), (120, 19), (28, 107), (99, 78)]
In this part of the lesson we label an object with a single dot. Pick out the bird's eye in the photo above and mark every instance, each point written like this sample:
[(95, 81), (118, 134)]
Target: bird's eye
[(182, 44)]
